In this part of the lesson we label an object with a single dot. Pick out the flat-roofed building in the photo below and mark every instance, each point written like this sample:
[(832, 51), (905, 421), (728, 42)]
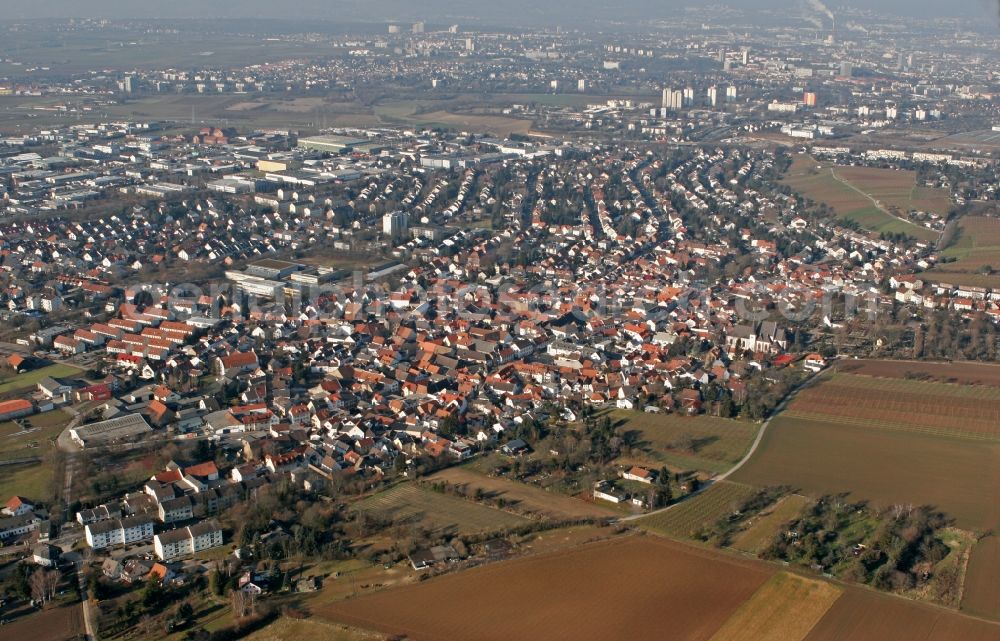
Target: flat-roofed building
[(123, 428)]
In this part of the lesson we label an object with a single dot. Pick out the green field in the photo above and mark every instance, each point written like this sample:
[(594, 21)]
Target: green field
[(30, 379), (686, 518), (411, 504), (976, 250), (689, 443), (36, 439), (30, 480), (852, 193)]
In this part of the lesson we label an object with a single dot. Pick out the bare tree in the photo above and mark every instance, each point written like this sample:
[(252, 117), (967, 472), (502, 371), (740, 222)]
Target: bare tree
[(37, 583), (51, 581)]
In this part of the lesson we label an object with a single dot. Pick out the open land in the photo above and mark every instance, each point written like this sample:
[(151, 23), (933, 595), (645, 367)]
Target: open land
[(651, 584), (957, 372), (762, 529), (701, 443), (895, 441), (686, 518), (410, 503), (784, 609), (522, 497), (852, 194), (54, 624), (982, 589), (864, 615), (976, 250), (971, 412), (30, 379)]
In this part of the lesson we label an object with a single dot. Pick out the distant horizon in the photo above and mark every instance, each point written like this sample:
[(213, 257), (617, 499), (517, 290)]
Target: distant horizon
[(521, 12)]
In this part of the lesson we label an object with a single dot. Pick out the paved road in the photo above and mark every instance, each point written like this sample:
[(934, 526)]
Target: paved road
[(753, 448)]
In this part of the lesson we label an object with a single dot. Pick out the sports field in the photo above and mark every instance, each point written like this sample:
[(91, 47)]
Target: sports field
[(410, 503), (876, 199)]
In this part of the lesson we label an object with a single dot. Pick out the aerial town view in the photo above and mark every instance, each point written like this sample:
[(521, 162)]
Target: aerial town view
[(499, 321)]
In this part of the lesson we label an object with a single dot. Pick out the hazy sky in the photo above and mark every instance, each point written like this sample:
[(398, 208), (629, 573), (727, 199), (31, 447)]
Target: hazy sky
[(521, 11)]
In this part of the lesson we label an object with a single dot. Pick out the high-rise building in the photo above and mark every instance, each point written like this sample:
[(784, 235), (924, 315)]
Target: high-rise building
[(746, 56), (453, 28), (581, 85), (394, 28), (554, 85), (891, 113), (688, 96), (846, 69), (418, 27), (127, 84), (395, 224), (665, 98), (730, 93), (676, 100), (713, 96), (809, 99)]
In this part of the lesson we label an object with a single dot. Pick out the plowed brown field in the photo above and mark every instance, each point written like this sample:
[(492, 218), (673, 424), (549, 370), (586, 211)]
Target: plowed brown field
[(862, 615), (627, 588)]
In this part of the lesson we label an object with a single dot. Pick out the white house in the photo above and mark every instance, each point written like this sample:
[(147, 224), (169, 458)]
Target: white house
[(132, 529)]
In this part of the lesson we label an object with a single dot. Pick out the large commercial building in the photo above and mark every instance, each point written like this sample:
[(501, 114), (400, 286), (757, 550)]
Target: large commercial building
[(123, 428), (331, 144)]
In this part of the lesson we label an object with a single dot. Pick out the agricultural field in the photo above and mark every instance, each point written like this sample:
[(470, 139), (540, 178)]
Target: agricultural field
[(690, 443), (523, 498), (650, 585), (285, 629), (784, 609), (982, 589), (864, 615), (936, 409), (885, 467), (976, 250), (30, 379), (867, 195), (896, 441), (686, 518), (761, 530), (413, 504), (955, 372), (63, 623)]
